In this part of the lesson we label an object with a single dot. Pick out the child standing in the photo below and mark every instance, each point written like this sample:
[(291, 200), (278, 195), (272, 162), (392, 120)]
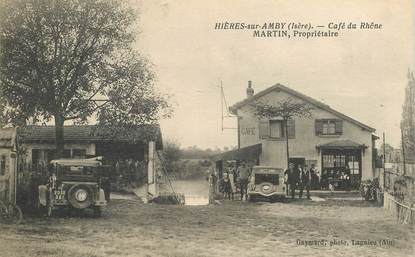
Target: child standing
[(226, 186)]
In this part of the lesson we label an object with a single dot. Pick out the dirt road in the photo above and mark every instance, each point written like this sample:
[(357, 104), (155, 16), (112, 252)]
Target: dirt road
[(130, 228)]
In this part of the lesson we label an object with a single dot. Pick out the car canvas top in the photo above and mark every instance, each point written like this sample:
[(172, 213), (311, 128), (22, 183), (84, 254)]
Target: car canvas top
[(93, 162), (259, 169)]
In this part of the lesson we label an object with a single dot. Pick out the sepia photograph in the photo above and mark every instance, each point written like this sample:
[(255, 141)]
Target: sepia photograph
[(192, 128)]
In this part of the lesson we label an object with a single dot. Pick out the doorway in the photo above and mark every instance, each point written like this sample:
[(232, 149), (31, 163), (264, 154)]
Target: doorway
[(298, 161)]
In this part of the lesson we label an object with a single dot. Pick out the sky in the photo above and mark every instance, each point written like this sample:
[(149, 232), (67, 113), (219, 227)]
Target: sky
[(361, 73)]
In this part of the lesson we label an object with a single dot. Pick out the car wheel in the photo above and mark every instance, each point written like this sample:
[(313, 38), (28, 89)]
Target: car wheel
[(80, 196), (97, 211), (13, 214)]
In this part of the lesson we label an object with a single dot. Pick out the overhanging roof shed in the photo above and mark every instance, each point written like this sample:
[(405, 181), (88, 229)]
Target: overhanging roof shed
[(249, 153), (92, 133)]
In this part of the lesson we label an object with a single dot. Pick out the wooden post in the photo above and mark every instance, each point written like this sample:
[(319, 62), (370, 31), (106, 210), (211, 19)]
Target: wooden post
[(211, 189), (152, 188), (286, 142), (12, 178)]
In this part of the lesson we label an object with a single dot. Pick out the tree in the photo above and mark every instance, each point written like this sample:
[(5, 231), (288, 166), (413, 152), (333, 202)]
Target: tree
[(286, 109), (72, 60), (171, 154), (408, 120), (386, 148)]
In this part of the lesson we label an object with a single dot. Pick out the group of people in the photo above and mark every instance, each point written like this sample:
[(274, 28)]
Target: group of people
[(232, 178), (295, 177), (299, 177)]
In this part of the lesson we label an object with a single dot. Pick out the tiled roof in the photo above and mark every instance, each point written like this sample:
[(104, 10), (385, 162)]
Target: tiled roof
[(72, 133), (279, 87)]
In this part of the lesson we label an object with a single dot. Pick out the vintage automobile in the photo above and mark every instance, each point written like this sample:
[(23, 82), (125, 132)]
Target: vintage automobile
[(266, 183), (74, 183)]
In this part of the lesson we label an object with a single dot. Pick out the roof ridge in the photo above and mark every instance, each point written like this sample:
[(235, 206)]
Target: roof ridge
[(294, 92)]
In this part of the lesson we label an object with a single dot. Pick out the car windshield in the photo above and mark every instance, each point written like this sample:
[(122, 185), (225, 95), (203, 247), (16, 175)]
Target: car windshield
[(271, 178), (77, 171)]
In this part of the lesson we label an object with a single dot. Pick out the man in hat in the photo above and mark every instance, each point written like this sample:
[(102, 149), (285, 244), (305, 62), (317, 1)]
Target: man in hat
[(293, 178), (243, 174)]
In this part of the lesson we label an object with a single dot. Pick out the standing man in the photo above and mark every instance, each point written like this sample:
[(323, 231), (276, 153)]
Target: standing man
[(106, 186), (314, 182), (302, 182), (287, 171), (232, 179), (212, 178), (243, 173), (306, 178), (293, 178)]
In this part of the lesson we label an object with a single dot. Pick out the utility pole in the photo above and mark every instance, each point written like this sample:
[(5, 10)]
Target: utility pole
[(384, 162), (221, 103), (384, 151), (286, 141)]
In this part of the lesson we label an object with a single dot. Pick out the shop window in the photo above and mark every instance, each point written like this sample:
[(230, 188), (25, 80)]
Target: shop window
[(3, 165), (353, 165)]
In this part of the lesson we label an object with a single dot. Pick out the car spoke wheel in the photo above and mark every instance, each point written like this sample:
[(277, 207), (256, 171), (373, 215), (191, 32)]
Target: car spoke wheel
[(11, 213), (3, 212)]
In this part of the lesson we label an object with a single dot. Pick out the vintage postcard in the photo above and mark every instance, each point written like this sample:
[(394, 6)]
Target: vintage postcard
[(207, 128)]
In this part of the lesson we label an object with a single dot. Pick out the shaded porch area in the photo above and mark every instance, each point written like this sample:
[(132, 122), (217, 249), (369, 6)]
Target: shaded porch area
[(341, 164)]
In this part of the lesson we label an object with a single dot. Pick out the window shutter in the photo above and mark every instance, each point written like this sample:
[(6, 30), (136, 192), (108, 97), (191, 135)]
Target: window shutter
[(291, 128), (264, 129), (339, 127), (319, 127)]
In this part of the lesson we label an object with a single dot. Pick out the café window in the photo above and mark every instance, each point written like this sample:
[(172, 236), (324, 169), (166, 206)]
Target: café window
[(329, 127), (275, 129)]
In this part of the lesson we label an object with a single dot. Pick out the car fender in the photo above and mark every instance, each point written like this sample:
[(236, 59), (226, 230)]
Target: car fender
[(101, 196), (43, 195), (100, 201)]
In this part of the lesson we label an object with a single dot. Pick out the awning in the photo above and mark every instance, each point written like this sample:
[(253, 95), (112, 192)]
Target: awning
[(341, 145), (249, 153)]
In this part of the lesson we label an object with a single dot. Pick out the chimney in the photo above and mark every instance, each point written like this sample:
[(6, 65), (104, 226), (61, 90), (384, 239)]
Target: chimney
[(249, 90)]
